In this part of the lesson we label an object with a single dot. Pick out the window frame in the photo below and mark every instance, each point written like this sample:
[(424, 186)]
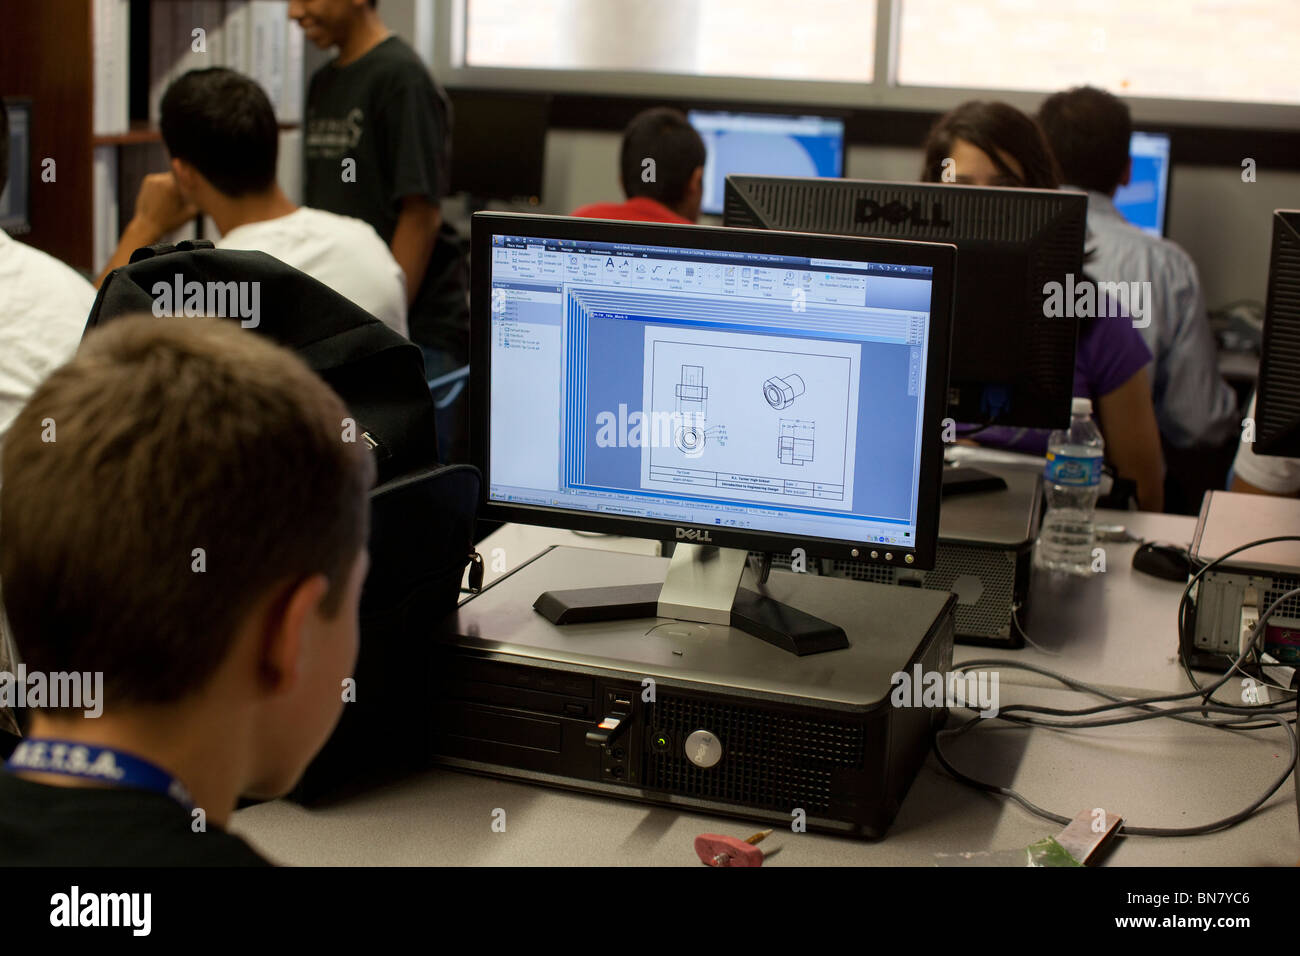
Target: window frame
[(881, 94)]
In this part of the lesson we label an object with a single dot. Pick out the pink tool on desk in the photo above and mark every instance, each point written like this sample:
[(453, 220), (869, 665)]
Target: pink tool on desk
[(717, 850)]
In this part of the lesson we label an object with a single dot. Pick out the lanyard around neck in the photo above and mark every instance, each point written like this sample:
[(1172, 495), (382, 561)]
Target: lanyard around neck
[(101, 764)]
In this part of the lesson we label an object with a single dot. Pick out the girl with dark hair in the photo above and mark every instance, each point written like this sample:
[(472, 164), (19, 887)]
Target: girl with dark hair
[(990, 144), (994, 144)]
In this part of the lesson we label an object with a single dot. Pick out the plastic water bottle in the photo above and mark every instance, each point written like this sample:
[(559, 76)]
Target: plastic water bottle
[(1072, 482)]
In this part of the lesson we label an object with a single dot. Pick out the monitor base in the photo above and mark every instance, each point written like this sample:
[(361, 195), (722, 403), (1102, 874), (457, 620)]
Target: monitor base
[(696, 578)]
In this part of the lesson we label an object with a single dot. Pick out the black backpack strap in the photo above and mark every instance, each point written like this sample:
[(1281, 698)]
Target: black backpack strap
[(165, 248)]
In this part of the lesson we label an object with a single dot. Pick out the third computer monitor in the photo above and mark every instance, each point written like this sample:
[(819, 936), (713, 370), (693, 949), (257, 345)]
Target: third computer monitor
[(743, 389), (498, 143), (1019, 269), (765, 145), (1145, 200), (1277, 408)]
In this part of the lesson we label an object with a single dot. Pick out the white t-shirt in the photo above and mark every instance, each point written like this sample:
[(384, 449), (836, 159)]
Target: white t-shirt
[(345, 254), (1278, 476), (44, 305)]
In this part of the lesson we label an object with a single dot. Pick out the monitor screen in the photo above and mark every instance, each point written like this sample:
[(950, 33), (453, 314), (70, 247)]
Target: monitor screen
[(765, 145), (747, 387), (15, 212), (1144, 201), (498, 143)]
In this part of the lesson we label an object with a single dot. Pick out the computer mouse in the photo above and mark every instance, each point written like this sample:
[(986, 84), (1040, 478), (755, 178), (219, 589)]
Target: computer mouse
[(1163, 561)]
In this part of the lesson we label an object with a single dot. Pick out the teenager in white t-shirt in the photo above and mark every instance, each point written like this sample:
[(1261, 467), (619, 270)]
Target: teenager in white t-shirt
[(43, 309), (44, 305), (221, 134), (1264, 474)]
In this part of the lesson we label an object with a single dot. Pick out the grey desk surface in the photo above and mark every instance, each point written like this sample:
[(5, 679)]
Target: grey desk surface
[(1116, 630)]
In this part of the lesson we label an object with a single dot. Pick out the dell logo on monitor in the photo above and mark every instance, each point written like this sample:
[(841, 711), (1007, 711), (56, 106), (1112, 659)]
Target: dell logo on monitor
[(897, 213), (693, 534)]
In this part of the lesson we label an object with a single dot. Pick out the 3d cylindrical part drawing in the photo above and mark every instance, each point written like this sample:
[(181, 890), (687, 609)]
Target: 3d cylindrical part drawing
[(781, 392)]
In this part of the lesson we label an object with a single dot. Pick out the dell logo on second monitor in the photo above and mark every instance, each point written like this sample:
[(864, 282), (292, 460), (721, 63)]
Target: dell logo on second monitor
[(693, 534), (897, 213)]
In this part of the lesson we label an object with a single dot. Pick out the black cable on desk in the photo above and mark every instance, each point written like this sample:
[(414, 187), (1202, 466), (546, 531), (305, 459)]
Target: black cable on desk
[(1245, 717), (1221, 824)]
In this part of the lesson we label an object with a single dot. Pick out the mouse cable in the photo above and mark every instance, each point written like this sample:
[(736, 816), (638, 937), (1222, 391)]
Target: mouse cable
[(1143, 704), (1029, 640)]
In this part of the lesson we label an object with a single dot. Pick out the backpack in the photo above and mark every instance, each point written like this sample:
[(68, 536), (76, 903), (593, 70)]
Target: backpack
[(385, 730), (378, 373), (422, 515)]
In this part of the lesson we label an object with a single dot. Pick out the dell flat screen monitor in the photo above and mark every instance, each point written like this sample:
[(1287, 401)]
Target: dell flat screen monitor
[(15, 197), (498, 144), (1144, 201), (731, 388), (1277, 402), (1013, 342), (765, 145)]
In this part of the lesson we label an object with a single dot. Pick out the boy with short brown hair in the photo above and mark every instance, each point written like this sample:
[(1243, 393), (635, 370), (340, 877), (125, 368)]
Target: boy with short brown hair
[(182, 518)]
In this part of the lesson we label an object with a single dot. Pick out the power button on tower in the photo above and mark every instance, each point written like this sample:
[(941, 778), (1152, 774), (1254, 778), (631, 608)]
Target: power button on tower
[(703, 749)]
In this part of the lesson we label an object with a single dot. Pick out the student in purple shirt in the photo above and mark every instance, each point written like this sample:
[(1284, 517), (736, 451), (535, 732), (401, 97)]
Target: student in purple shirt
[(994, 144)]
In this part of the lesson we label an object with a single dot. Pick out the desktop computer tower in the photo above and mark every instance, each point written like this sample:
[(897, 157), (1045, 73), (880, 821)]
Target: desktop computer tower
[(699, 717), (985, 555)]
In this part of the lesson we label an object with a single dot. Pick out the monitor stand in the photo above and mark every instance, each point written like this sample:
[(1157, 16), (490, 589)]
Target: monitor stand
[(703, 585)]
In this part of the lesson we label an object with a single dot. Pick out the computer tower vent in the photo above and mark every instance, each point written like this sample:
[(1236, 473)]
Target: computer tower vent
[(984, 580), (1288, 609), (862, 571), (770, 760)]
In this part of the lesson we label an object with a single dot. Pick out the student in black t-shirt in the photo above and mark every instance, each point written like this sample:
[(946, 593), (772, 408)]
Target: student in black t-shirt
[(377, 146), (181, 521)]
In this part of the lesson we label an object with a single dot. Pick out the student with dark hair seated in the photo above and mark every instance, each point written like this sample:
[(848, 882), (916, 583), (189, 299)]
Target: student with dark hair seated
[(661, 171), (1089, 132), (994, 144), (195, 536), (220, 131)]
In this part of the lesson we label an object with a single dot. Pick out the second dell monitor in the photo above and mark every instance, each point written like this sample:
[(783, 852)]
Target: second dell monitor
[(763, 144), (1013, 341)]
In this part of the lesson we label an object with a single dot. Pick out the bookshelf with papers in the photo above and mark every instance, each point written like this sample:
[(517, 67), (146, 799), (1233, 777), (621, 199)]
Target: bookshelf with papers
[(96, 70)]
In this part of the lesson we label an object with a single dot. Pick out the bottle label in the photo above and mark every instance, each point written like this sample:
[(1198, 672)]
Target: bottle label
[(1070, 470)]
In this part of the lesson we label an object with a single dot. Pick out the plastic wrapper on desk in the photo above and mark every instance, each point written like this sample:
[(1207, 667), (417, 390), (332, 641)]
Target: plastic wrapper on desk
[(1046, 852)]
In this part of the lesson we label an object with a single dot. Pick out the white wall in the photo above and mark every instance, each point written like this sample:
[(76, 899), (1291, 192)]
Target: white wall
[(1226, 225)]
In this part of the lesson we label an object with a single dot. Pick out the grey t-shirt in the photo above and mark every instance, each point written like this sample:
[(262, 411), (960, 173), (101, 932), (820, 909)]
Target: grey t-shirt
[(386, 113)]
